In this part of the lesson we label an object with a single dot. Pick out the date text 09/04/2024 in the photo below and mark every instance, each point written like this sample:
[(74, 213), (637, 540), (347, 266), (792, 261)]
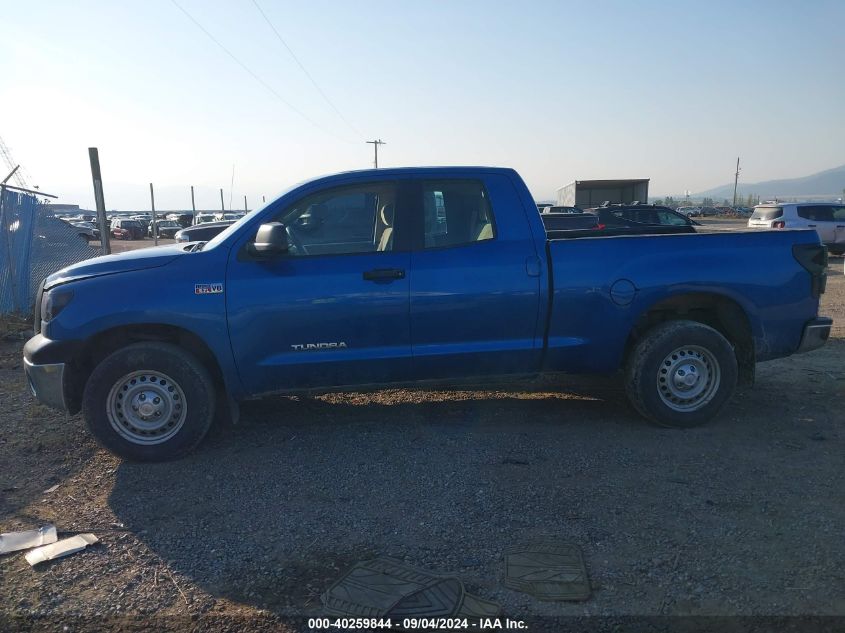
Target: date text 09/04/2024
[(441, 624)]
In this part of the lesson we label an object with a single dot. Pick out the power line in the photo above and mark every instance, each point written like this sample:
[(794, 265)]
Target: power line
[(254, 76), (304, 70)]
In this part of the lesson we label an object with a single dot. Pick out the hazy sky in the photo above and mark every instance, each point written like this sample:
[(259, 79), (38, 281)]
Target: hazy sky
[(672, 91)]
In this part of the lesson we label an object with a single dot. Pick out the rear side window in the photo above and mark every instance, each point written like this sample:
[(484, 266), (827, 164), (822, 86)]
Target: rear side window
[(456, 212), (816, 213), (838, 213), (767, 213), (671, 219)]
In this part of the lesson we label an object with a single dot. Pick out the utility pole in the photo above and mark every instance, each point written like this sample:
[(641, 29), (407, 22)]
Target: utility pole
[(96, 176), (736, 179), (222, 206), (375, 145), (245, 211), (193, 205), (155, 222)]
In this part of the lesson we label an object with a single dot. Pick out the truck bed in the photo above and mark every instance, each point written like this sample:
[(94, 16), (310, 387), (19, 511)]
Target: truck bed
[(602, 283)]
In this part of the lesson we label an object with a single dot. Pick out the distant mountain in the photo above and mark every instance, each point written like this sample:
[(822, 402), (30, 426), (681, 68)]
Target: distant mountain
[(825, 183)]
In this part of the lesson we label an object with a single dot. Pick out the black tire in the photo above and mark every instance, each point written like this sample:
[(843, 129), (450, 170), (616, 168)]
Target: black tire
[(187, 375), (649, 363)]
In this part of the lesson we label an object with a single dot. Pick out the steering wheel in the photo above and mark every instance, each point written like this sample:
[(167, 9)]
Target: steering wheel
[(298, 246)]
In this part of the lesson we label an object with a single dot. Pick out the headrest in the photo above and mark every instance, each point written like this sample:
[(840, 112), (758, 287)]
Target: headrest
[(387, 213)]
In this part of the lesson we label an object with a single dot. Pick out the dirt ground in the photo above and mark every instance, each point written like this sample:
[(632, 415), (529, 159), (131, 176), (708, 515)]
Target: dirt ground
[(744, 516)]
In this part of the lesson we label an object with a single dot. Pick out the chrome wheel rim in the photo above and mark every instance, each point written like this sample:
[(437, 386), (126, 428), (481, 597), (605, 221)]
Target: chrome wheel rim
[(146, 407), (688, 378)]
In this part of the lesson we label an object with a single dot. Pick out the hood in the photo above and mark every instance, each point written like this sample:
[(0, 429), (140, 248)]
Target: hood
[(118, 263)]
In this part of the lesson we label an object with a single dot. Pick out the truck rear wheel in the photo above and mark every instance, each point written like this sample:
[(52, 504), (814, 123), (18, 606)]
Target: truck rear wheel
[(680, 374), (149, 402)]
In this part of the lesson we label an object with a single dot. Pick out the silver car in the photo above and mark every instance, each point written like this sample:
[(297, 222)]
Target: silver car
[(827, 218)]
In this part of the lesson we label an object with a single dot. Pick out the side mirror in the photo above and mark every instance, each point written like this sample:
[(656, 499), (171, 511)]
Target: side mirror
[(271, 239)]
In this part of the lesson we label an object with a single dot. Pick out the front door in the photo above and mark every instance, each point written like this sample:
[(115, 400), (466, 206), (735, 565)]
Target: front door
[(334, 310)]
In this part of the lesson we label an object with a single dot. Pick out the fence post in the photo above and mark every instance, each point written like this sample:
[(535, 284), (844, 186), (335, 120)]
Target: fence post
[(94, 158), (155, 222)]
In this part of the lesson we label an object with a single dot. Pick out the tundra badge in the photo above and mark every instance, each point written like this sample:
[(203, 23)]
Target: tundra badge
[(308, 347), (208, 289)]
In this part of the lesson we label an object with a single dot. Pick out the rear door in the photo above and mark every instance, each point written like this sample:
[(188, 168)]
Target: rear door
[(820, 217), (333, 311), (839, 226), (475, 281)]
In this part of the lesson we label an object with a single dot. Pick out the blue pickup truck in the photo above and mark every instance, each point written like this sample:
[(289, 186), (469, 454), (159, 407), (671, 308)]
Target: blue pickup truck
[(418, 277)]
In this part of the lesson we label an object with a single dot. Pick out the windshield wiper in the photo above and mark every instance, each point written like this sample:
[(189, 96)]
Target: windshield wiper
[(198, 247)]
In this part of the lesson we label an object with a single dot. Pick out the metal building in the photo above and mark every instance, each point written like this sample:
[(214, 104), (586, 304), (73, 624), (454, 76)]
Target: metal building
[(592, 193)]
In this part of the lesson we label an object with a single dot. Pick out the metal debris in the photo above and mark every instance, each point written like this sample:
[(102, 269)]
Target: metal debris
[(548, 571), (65, 547), (15, 541)]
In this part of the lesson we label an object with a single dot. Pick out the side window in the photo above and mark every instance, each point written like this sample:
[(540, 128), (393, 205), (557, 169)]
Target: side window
[(356, 219), (839, 213), (816, 213), (456, 212), (665, 217)]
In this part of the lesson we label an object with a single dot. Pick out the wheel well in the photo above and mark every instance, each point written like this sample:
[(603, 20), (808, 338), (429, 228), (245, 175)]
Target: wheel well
[(719, 312), (101, 345)]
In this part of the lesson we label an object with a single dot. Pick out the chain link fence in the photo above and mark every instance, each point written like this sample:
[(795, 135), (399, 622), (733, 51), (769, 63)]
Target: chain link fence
[(33, 244)]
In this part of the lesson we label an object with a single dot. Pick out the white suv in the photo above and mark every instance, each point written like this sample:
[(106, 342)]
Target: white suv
[(827, 218)]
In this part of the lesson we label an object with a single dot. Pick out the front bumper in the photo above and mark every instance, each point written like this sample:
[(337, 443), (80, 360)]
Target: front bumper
[(816, 333), (47, 383)]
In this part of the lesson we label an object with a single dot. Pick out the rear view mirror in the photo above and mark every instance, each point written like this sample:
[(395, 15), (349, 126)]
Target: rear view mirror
[(271, 239)]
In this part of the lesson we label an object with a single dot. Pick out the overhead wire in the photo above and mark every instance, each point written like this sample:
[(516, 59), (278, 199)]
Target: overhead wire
[(305, 70), (269, 88)]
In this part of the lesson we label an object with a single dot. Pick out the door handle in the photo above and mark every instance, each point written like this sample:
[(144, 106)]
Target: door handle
[(811, 226), (384, 274)]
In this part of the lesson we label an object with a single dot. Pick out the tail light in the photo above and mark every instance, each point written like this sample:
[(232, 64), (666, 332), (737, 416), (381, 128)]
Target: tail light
[(813, 257), (599, 227), (779, 224)]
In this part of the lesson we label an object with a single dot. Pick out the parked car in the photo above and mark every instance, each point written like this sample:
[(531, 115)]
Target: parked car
[(375, 293), (690, 212), (558, 209), (184, 219), (201, 232), (828, 219), (127, 229), (166, 228), (204, 218), (624, 215), (86, 230)]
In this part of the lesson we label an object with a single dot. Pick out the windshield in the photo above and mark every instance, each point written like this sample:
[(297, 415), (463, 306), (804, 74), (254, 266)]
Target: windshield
[(232, 228), (767, 213)]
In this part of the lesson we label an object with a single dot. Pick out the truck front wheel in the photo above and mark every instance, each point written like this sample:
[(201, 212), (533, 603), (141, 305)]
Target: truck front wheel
[(680, 374), (149, 402)]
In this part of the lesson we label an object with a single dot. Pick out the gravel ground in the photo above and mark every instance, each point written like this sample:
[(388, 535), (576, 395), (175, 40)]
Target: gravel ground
[(741, 517)]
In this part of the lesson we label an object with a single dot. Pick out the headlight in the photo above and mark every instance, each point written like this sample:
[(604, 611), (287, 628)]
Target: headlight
[(54, 301)]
